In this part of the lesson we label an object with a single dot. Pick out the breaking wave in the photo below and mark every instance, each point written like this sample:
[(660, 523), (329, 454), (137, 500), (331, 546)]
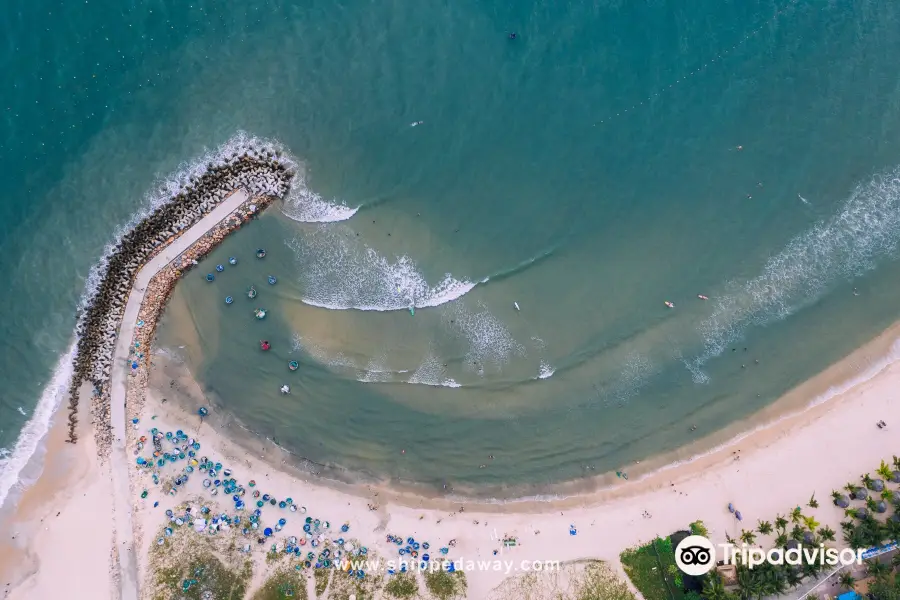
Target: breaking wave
[(340, 273), (307, 206), (166, 187), (842, 247)]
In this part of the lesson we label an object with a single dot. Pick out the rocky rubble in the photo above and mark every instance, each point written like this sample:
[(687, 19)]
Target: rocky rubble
[(263, 174)]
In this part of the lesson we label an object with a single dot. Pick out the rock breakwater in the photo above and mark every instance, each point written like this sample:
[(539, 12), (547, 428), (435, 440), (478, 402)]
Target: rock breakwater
[(263, 172)]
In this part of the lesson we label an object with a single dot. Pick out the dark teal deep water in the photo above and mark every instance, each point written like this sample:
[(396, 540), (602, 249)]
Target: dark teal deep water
[(588, 170)]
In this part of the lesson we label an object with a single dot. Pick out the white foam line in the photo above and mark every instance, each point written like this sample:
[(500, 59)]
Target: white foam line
[(163, 191), (38, 425), (832, 392), (307, 206)]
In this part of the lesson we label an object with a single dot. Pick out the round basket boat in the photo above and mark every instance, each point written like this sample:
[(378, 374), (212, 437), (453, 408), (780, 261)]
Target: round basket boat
[(251, 293), (293, 365), (260, 253)]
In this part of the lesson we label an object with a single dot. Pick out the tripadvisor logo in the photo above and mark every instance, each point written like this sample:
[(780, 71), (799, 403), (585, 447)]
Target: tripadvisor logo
[(696, 555)]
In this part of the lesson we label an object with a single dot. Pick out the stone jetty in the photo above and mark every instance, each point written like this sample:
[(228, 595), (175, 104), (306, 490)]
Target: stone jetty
[(264, 173)]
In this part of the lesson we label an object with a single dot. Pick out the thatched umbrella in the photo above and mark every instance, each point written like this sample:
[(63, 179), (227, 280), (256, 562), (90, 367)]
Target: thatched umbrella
[(877, 485), (895, 476), (841, 501), (809, 538), (861, 513), (895, 518), (792, 544), (880, 506), (860, 493)]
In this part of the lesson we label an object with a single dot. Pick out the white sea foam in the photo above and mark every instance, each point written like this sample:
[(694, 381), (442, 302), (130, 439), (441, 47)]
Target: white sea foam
[(339, 272), (846, 245), (307, 206), (431, 372), (546, 371), (166, 187), (490, 342), (37, 426), (338, 360)]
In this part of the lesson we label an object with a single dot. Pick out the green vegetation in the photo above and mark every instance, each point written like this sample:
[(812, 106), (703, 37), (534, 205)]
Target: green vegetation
[(204, 576), (321, 576), (598, 582), (282, 584), (648, 567), (445, 585), (402, 585), (699, 528)]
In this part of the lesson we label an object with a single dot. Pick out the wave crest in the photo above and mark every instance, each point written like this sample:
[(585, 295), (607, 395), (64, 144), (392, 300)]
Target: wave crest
[(341, 273)]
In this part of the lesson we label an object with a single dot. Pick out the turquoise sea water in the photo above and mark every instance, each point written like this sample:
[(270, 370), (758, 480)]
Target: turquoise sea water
[(614, 156)]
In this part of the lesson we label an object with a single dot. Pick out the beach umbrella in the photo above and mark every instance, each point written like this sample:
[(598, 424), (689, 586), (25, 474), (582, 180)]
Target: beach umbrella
[(842, 501), (877, 485), (861, 513), (895, 476), (267, 531), (860, 493), (880, 507), (792, 544), (809, 538)]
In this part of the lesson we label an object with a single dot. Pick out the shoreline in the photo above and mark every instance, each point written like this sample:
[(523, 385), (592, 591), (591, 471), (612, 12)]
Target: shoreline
[(844, 400), (807, 399), (696, 490), (796, 414)]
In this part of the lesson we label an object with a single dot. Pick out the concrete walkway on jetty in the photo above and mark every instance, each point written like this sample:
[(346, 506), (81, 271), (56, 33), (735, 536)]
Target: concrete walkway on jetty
[(128, 575)]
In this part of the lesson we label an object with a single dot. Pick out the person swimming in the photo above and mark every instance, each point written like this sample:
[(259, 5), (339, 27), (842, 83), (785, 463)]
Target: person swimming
[(513, 35)]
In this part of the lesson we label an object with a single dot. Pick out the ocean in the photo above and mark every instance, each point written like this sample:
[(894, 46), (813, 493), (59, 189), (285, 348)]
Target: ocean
[(535, 200)]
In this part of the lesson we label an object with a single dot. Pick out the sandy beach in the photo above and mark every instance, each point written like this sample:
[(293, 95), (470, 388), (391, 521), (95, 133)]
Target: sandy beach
[(808, 442), (767, 472)]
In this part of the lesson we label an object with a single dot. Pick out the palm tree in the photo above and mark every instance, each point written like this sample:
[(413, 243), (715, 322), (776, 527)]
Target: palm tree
[(887, 495), (796, 515), (713, 588), (896, 462), (878, 570), (797, 533), (847, 580), (892, 528), (876, 485), (856, 492), (895, 560), (764, 527), (840, 500), (781, 540), (747, 537), (811, 523), (780, 522), (813, 503), (885, 471), (827, 534), (794, 576)]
